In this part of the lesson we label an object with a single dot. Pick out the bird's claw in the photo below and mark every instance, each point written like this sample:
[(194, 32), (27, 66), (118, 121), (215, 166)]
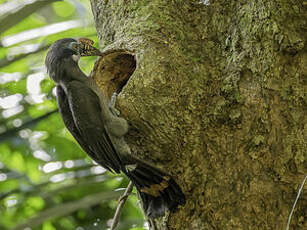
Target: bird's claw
[(113, 99), (114, 111)]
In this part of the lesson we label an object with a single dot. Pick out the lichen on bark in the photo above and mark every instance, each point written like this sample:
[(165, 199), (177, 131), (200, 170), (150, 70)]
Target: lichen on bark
[(218, 99)]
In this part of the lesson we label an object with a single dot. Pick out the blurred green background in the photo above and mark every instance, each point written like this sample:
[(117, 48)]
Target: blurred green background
[(46, 181)]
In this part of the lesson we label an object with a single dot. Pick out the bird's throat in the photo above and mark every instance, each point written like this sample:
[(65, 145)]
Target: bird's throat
[(75, 57)]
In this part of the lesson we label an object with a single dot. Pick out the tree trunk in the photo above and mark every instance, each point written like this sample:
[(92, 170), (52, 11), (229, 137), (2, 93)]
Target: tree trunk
[(217, 99)]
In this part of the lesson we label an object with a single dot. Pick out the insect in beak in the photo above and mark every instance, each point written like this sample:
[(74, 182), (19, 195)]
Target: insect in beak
[(86, 48)]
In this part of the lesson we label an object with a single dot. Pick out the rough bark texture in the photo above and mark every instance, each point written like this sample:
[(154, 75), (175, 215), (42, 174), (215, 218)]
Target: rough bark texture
[(218, 100)]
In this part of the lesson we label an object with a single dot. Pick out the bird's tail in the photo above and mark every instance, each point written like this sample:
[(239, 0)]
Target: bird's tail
[(158, 191)]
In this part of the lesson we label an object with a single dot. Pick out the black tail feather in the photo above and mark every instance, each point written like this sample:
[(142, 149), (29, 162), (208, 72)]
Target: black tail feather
[(169, 199), (158, 191)]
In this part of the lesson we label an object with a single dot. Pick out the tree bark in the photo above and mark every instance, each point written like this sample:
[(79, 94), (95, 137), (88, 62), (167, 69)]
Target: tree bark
[(218, 100)]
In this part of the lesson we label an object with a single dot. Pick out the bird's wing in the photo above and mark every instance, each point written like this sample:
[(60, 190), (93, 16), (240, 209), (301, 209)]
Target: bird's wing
[(86, 114), (66, 113), (69, 121)]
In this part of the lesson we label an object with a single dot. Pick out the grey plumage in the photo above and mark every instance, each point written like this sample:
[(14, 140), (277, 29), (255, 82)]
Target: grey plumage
[(86, 114)]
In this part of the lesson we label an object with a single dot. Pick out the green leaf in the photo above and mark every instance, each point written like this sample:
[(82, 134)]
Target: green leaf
[(3, 52), (66, 223), (17, 162), (21, 66), (48, 226), (16, 87), (9, 185), (40, 109), (33, 170), (63, 9), (46, 85), (63, 149), (5, 152), (28, 23), (36, 202), (56, 127)]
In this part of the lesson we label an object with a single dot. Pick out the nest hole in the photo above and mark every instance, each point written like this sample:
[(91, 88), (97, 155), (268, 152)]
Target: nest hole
[(113, 70)]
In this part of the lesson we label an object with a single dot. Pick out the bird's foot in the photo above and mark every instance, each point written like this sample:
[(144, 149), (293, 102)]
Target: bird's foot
[(113, 99), (114, 111)]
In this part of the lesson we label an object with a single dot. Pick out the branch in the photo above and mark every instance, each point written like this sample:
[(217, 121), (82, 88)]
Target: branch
[(67, 208), (5, 61), (13, 18), (298, 195), (120, 206), (10, 133), (36, 189)]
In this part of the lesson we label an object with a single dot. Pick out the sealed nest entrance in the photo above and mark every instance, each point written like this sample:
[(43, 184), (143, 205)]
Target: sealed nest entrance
[(113, 70)]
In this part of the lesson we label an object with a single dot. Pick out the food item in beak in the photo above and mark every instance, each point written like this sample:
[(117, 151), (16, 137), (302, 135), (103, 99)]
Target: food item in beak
[(87, 48)]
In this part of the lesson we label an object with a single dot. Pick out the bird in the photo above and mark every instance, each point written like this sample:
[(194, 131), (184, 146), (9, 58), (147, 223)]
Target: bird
[(93, 122)]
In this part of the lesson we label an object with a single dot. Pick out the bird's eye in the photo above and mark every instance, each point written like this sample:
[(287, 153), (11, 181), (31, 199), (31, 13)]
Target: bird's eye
[(74, 46)]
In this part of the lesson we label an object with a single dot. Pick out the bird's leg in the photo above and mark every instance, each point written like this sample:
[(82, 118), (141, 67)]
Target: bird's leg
[(114, 111)]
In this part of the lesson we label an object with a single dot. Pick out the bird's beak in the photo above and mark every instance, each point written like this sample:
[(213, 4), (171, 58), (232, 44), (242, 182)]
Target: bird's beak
[(86, 48)]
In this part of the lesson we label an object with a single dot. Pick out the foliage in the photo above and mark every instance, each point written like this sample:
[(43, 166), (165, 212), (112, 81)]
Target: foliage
[(46, 180)]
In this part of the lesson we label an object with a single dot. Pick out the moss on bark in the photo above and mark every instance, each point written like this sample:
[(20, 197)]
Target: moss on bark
[(218, 99)]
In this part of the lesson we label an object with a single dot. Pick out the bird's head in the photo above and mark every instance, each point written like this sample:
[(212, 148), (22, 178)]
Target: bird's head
[(68, 49)]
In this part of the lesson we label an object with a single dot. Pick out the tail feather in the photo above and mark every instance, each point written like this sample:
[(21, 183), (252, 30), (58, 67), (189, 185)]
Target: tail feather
[(158, 191)]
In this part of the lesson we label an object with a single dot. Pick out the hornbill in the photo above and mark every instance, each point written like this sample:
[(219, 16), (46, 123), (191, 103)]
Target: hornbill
[(100, 132)]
